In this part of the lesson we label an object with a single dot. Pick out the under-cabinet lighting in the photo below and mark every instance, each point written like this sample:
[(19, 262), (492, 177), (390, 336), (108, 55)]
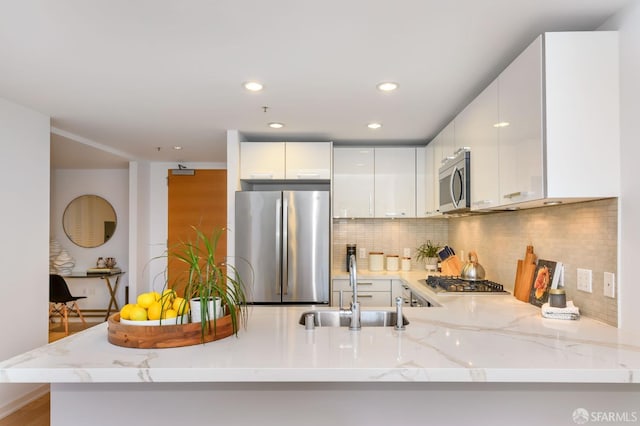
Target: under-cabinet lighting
[(374, 125), (501, 124), (275, 125), (177, 148)]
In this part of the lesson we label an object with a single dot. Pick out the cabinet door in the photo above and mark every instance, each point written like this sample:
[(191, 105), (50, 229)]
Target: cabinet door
[(421, 181), (308, 160), (476, 129), (262, 160), (436, 146), (448, 141), (395, 182), (353, 182), (520, 137)]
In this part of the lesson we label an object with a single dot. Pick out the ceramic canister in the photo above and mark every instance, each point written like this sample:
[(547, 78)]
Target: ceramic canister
[(376, 261), (393, 261)]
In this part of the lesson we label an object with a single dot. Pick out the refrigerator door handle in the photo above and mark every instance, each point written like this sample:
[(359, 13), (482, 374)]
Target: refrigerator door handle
[(285, 243), (278, 213)]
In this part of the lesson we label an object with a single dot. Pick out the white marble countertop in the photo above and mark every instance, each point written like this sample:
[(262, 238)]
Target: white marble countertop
[(479, 338)]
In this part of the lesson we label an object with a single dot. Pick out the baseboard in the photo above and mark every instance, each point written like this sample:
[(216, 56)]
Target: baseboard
[(17, 404)]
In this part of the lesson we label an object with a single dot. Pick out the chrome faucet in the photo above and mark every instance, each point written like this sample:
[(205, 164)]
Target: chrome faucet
[(355, 305)]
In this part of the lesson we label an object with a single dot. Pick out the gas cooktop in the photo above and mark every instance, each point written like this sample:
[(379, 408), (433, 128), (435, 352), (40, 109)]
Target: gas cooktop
[(449, 284)]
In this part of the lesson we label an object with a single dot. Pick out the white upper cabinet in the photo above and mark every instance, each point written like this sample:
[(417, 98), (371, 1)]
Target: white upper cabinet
[(582, 104), (353, 182), (285, 160), (561, 100), (520, 134), (395, 182), (476, 129), (308, 160), (262, 160), (447, 142)]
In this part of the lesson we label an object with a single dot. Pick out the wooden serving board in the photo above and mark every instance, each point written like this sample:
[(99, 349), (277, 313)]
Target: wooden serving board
[(166, 336), (524, 275)]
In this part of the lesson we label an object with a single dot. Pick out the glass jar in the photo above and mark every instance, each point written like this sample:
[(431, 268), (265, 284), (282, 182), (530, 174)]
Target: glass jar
[(557, 298)]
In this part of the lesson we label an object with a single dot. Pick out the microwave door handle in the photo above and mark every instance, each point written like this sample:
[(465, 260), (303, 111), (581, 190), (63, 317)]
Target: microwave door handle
[(454, 172)]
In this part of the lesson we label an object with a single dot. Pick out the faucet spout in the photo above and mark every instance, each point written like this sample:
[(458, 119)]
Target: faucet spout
[(355, 305)]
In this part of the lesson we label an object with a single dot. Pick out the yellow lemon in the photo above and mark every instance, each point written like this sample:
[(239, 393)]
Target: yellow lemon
[(180, 305), (168, 293), (156, 295), (146, 299), (154, 311), (170, 313), (138, 313), (125, 312)]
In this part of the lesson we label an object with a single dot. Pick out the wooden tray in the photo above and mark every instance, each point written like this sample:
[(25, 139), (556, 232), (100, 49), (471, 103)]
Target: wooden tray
[(165, 336)]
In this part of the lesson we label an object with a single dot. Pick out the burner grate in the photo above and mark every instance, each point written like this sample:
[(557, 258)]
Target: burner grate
[(457, 284)]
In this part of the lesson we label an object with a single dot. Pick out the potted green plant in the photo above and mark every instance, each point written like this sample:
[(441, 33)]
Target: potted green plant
[(428, 252), (208, 279)]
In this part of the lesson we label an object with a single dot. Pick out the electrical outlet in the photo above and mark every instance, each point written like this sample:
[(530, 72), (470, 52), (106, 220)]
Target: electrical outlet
[(406, 252), (585, 280), (362, 253), (610, 284)]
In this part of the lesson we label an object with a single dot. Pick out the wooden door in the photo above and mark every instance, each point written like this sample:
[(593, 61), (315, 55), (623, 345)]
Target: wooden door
[(197, 201)]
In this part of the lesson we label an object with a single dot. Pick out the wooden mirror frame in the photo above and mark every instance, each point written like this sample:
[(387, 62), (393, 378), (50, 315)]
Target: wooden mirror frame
[(89, 221)]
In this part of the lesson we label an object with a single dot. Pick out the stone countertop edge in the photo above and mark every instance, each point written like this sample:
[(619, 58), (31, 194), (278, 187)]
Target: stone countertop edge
[(469, 338)]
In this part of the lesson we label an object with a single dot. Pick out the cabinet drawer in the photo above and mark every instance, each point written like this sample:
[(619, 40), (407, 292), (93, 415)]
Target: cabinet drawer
[(366, 298), (363, 285)]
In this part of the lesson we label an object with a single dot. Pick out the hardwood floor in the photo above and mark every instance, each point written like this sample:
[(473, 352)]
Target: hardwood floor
[(37, 412)]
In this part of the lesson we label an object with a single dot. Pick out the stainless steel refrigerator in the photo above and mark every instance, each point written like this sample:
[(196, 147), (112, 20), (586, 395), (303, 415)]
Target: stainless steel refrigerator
[(282, 245)]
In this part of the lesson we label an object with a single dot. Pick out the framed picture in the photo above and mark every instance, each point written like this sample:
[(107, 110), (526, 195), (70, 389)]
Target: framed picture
[(542, 280)]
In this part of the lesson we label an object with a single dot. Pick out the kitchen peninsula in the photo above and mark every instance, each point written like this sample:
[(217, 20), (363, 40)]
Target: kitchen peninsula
[(480, 352)]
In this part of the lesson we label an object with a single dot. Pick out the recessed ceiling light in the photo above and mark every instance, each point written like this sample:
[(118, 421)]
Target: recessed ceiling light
[(387, 86), (253, 86), (374, 125), (276, 125), (177, 148)]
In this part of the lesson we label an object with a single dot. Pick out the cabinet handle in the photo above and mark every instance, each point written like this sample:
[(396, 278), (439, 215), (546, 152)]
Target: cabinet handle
[(365, 283), (394, 214), (261, 175), (369, 296), (308, 175), (517, 194)]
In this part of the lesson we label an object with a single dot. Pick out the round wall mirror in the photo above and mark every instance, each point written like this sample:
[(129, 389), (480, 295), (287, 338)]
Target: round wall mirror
[(89, 221)]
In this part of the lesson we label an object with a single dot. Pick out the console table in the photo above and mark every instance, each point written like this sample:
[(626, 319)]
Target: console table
[(112, 286)]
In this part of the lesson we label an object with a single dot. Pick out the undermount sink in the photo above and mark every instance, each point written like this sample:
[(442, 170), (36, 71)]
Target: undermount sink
[(343, 318)]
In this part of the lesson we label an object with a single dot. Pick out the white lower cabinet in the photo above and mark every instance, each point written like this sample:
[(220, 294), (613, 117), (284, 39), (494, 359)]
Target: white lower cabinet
[(376, 292)]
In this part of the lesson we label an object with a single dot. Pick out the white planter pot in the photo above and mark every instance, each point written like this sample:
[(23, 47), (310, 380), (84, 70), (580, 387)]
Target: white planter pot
[(196, 312), (431, 263)]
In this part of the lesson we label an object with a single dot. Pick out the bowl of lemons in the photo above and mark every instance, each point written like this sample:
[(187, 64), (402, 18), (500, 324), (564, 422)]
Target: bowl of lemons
[(154, 308)]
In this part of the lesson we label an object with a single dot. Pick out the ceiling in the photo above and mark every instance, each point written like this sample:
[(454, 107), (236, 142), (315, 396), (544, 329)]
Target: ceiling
[(125, 80)]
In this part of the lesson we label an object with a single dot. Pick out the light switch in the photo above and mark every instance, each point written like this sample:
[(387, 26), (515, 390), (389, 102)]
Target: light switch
[(584, 280)]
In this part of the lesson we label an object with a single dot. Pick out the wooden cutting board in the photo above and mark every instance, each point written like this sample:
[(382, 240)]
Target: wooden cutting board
[(524, 275)]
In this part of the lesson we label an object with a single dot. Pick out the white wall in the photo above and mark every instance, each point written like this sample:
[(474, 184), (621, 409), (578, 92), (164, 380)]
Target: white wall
[(113, 186), (24, 252), (627, 22)]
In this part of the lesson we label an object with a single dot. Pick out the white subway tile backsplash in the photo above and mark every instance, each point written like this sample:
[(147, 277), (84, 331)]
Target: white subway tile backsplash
[(581, 235)]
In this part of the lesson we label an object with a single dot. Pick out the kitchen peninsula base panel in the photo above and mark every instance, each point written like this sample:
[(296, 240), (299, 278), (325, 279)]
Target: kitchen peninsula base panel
[(319, 404)]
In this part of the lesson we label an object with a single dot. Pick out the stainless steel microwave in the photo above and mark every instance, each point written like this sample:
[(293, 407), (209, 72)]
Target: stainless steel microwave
[(455, 183)]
